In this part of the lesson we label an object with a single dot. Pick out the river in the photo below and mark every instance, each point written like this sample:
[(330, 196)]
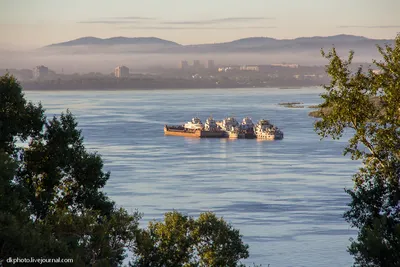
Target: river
[(286, 197)]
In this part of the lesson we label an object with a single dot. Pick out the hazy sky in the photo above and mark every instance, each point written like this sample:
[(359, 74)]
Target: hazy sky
[(33, 23)]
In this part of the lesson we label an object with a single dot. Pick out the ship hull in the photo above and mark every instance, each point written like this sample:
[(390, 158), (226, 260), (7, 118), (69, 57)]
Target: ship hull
[(233, 135), (209, 134), (197, 133), (250, 136), (270, 137)]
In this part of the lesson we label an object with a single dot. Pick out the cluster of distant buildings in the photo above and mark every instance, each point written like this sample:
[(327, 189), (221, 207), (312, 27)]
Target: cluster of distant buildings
[(257, 68), (121, 72), (44, 73), (40, 72), (197, 65), (196, 68), (210, 64)]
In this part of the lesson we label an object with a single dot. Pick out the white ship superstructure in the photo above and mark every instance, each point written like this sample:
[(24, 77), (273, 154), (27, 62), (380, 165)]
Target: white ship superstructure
[(195, 123), (265, 130), (231, 126), (247, 124), (228, 124), (211, 125)]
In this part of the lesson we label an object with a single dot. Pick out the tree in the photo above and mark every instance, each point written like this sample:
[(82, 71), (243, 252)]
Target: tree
[(367, 104), (183, 241), (18, 119), (51, 203)]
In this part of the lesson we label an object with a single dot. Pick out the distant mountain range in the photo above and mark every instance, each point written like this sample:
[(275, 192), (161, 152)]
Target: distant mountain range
[(303, 49), (115, 41)]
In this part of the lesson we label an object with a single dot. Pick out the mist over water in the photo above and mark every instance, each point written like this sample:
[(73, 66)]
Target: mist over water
[(86, 60), (286, 197)]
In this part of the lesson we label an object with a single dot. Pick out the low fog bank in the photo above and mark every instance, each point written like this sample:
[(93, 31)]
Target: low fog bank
[(140, 62)]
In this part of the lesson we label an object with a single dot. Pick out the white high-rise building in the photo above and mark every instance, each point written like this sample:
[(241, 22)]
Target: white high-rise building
[(196, 64), (210, 64), (121, 72), (40, 72), (184, 65)]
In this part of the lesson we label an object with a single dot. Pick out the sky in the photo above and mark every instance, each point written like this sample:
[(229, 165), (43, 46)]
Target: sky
[(36, 23)]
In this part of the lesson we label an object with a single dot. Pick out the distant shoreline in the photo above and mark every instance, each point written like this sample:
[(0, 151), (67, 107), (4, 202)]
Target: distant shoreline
[(141, 84), (27, 88), (170, 89)]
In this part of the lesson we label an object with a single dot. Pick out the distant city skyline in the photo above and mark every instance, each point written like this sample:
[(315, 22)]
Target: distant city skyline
[(29, 24)]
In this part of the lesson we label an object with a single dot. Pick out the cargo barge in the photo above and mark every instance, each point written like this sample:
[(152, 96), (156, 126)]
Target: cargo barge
[(195, 128), (181, 131)]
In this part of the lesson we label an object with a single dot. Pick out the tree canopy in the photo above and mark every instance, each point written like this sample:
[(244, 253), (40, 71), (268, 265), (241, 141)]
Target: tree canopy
[(181, 241), (351, 100), (51, 203)]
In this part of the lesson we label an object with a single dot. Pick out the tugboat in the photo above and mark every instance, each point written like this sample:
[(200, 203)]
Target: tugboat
[(265, 130), (231, 127), (195, 123), (211, 125), (195, 128), (247, 128), (227, 123)]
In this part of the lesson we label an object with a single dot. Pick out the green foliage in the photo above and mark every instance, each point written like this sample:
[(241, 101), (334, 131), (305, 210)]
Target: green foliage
[(18, 119), (352, 99), (60, 173), (51, 203), (183, 241)]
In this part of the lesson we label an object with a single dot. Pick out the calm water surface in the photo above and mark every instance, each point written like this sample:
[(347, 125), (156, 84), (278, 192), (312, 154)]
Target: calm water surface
[(286, 197)]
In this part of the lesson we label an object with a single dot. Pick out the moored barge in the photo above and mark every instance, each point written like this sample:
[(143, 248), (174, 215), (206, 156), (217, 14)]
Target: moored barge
[(195, 128), (181, 131)]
